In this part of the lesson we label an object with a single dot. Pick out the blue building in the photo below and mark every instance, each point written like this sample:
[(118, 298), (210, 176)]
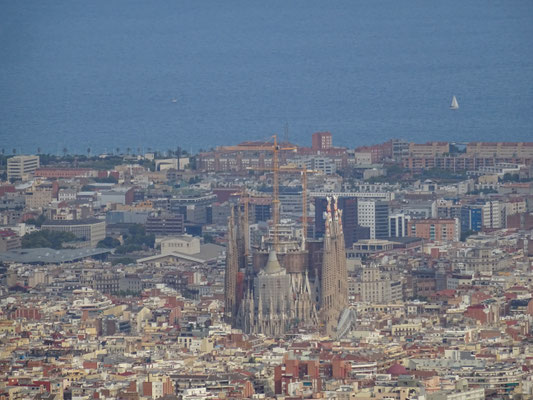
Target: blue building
[(471, 218)]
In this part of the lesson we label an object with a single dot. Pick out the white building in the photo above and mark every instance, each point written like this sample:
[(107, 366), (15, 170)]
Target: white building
[(66, 194), (515, 206), (363, 158), (398, 225), (494, 215), (89, 230), (374, 214), (22, 167), (377, 287), (325, 165)]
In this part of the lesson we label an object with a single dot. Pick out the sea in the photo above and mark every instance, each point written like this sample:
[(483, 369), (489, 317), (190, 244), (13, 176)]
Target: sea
[(97, 76)]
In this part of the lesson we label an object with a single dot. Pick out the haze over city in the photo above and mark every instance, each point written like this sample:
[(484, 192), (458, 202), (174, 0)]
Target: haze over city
[(271, 200)]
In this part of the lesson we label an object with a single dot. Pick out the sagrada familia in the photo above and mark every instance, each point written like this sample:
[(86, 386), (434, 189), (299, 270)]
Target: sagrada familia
[(289, 284)]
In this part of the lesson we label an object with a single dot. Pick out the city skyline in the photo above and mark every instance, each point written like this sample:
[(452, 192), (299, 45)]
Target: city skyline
[(266, 200)]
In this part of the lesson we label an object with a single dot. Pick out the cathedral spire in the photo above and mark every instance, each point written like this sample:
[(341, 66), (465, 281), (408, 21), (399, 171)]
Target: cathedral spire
[(334, 289), (272, 266)]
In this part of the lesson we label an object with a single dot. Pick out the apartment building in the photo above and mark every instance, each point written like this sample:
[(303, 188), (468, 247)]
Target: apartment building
[(376, 286), (9, 240), (494, 215), (321, 140), (429, 149), (435, 229), (507, 150)]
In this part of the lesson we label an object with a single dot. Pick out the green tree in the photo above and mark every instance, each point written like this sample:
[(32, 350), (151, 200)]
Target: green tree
[(508, 177), (108, 243), (47, 238), (37, 221), (136, 239)]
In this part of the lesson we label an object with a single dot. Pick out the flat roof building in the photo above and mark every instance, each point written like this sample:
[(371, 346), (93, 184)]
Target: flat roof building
[(91, 230), (165, 225), (22, 167), (435, 229)]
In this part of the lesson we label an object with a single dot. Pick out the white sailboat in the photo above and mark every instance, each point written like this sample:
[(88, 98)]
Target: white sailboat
[(455, 104)]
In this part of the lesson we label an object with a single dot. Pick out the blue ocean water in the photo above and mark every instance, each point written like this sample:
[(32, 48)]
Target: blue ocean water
[(161, 74)]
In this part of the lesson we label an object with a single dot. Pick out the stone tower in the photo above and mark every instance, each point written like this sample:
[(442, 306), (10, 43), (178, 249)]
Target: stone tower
[(232, 270), (334, 282)]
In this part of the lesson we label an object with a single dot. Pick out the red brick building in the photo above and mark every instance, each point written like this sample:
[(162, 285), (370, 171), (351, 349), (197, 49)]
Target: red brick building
[(434, 229), (378, 152), (321, 141), (29, 313), (291, 371), (65, 173)]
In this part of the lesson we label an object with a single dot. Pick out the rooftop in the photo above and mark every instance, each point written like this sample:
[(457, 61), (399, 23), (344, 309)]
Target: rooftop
[(88, 221), (49, 256)]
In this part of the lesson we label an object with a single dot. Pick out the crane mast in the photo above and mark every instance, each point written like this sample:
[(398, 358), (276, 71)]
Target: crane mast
[(275, 193), (275, 148)]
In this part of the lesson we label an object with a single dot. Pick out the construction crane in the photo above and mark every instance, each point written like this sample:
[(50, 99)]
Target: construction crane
[(275, 148), (304, 172)]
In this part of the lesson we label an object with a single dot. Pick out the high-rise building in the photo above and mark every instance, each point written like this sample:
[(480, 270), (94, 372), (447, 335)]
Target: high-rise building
[(398, 225), (471, 217), (494, 215), (334, 279), (321, 141), (374, 214), (22, 167), (260, 209)]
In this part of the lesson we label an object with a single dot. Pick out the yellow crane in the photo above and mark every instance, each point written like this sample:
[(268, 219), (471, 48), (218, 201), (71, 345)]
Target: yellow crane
[(304, 172), (275, 148)]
